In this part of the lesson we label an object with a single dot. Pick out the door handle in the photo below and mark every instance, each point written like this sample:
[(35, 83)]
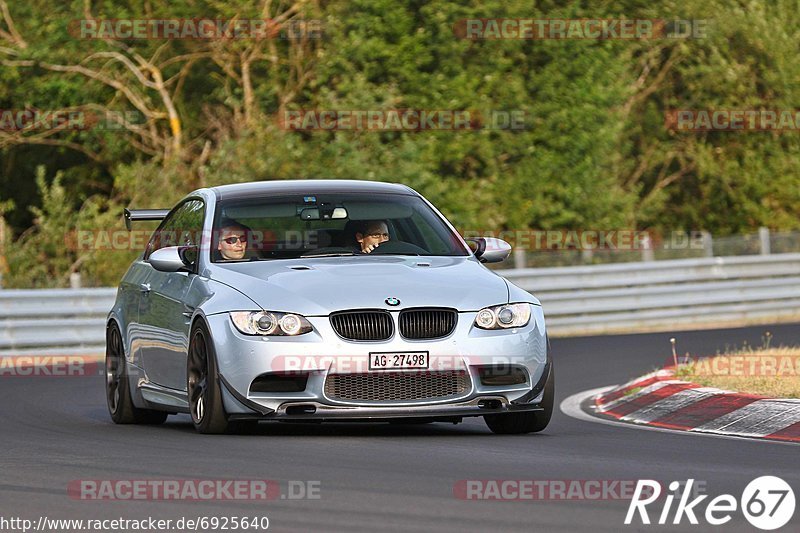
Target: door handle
[(144, 287)]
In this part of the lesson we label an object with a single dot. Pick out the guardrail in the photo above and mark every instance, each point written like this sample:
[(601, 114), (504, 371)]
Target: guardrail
[(665, 294), (50, 321), (577, 300)]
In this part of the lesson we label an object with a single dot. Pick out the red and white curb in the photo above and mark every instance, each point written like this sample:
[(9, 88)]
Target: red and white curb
[(660, 400)]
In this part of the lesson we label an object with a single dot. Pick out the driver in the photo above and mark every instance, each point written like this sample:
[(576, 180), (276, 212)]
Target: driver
[(371, 233), (232, 243)]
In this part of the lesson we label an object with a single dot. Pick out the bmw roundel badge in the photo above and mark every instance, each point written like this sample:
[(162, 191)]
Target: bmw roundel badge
[(392, 301)]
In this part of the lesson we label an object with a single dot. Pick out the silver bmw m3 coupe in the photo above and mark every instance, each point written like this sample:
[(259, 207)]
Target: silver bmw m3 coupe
[(322, 300)]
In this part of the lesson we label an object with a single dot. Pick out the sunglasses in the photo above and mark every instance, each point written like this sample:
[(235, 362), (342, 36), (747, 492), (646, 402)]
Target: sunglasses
[(234, 239)]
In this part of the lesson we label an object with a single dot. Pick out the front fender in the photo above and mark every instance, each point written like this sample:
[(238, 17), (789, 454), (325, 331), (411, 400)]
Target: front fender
[(517, 294), (222, 298)]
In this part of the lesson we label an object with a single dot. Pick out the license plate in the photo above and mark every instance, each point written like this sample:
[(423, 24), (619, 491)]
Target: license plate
[(395, 360)]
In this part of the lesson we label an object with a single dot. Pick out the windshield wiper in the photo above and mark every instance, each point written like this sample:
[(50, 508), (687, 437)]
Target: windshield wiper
[(336, 254), (395, 253)]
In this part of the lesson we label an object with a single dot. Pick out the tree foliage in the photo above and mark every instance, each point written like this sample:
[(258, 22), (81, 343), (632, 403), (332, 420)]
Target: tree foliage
[(594, 154)]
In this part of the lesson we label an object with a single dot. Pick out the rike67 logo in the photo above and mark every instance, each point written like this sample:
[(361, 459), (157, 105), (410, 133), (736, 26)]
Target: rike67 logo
[(767, 503)]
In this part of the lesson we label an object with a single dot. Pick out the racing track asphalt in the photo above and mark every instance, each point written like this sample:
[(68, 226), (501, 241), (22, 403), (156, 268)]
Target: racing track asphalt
[(381, 477)]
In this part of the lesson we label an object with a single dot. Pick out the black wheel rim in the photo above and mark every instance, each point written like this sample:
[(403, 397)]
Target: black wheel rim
[(197, 385), (114, 369)]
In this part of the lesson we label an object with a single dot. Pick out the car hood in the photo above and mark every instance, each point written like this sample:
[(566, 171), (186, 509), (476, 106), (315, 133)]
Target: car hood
[(319, 286)]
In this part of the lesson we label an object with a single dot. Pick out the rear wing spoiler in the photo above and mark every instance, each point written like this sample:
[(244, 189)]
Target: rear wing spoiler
[(132, 215)]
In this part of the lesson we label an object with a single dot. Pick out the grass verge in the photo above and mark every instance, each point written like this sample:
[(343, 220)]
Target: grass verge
[(771, 372)]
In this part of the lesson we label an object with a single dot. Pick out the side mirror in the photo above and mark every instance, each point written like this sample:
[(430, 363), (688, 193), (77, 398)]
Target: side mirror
[(490, 249), (174, 258)]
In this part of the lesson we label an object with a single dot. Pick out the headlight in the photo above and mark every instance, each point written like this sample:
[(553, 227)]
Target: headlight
[(503, 316), (270, 323)]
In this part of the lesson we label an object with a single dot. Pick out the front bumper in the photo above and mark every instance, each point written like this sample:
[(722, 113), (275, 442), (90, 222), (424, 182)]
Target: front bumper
[(242, 358)]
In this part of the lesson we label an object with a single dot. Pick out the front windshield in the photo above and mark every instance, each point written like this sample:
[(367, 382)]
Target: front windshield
[(329, 225)]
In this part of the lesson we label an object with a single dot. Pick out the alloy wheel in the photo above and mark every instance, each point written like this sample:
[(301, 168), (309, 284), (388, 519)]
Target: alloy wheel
[(198, 376), (115, 366)]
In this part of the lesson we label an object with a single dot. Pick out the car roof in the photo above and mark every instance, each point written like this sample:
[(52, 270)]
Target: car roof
[(310, 186)]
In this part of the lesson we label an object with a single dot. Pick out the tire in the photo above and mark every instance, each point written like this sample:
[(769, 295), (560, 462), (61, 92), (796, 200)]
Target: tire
[(118, 393), (526, 422), (203, 385)]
